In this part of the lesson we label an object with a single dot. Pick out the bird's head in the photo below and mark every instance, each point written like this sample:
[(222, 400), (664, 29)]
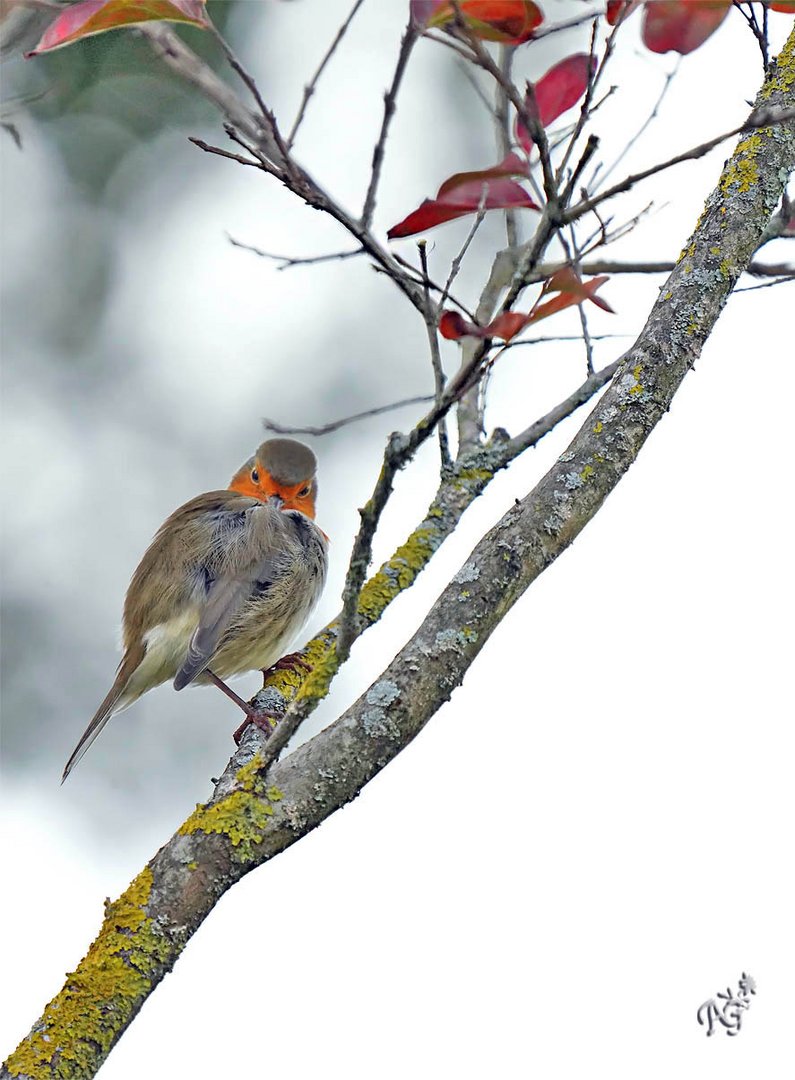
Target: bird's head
[(282, 469)]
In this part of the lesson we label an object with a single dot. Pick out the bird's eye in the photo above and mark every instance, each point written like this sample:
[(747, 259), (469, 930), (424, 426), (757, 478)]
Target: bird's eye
[(254, 476), (302, 494)]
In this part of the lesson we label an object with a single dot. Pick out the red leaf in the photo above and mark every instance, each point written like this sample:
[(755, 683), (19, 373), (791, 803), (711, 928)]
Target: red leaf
[(90, 17), (510, 21), (464, 198), (512, 165), (787, 6), (620, 10), (561, 87), (681, 25), (507, 325), (453, 326), (571, 290)]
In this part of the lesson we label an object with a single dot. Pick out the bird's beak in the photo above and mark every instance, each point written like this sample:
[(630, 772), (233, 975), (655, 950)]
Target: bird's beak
[(276, 500)]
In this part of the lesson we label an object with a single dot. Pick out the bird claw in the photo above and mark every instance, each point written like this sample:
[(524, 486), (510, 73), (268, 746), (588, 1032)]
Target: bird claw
[(260, 718), (289, 662)]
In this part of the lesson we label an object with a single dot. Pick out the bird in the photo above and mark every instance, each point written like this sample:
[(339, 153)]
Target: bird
[(228, 581)]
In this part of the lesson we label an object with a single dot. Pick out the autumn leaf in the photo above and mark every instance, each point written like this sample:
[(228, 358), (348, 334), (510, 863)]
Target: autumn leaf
[(681, 25), (555, 92), (453, 325), (463, 194), (89, 17), (570, 290), (509, 21), (620, 10)]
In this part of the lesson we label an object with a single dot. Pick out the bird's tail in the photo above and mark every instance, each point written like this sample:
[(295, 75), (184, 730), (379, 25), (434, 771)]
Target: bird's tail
[(113, 703)]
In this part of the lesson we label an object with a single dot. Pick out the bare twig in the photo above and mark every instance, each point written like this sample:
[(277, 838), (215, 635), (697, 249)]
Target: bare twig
[(335, 425), (760, 33), (287, 261), (645, 125), (173, 51), (607, 266), (517, 343), (285, 161), (410, 37), (443, 290), (431, 325), (766, 284), (310, 87), (528, 117), (573, 255), (502, 119), (585, 107), (210, 149), (763, 117), (455, 265)]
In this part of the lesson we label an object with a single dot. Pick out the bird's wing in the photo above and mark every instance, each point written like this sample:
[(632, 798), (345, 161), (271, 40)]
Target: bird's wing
[(227, 596)]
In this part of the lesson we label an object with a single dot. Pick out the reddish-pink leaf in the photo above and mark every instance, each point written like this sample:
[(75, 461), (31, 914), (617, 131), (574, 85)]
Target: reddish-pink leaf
[(681, 25), (465, 198), (507, 325), (620, 10), (512, 165), (509, 21), (787, 6), (551, 307), (88, 17), (554, 93), (571, 290), (453, 326)]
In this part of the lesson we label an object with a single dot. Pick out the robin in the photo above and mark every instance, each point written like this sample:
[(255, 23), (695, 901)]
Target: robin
[(228, 581)]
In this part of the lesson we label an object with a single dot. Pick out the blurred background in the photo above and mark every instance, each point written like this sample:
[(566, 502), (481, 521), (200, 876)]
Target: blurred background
[(587, 841)]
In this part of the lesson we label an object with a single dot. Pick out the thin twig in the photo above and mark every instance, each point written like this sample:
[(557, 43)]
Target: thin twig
[(335, 425), (266, 114), (585, 107), (310, 87), (550, 339), (759, 34), (527, 116), (573, 255), (431, 325), (607, 266), (287, 261), (443, 290), (210, 149), (502, 120), (465, 69), (410, 38), (761, 118), (645, 125), (767, 284), (455, 265), (531, 435)]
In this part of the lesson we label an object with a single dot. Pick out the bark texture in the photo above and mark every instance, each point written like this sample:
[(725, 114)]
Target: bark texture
[(255, 813)]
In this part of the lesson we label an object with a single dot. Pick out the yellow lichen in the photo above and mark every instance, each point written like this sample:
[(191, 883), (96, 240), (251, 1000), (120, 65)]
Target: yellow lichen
[(587, 471), (81, 1024), (741, 172), (597, 428), (783, 74), (638, 387)]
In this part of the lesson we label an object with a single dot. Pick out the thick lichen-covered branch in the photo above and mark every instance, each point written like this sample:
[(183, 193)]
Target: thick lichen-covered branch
[(256, 811)]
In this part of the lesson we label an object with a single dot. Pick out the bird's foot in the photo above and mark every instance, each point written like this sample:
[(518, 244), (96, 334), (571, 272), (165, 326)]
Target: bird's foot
[(287, 663), (260, 718)]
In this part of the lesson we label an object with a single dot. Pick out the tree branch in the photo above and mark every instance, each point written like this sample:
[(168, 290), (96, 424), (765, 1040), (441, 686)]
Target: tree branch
[(257, 813)]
